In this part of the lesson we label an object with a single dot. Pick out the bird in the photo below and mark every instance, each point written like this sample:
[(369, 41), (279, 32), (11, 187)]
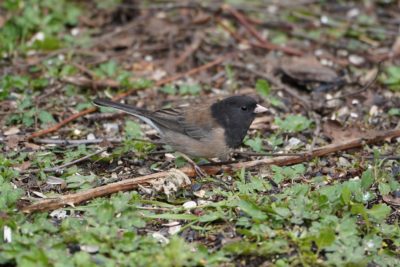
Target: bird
[(206, 130)]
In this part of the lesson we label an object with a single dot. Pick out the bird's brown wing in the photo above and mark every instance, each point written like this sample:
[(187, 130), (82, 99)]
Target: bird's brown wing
[(195, 123)]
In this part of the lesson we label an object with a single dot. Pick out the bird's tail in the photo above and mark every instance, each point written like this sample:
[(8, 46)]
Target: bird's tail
[(140, 113), (103, 102)]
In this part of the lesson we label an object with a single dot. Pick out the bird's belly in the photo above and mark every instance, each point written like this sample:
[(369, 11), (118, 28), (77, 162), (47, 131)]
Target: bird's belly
[(212, 146)]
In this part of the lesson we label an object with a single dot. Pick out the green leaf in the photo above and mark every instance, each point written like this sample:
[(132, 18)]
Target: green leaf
[(263, 88), (293, 123), (384, 188), (346, 195), (255, 144), (169, 89), (394, 112), (189, 89), (80, 181), (46, 117), (325, 238), (367, 179), (210, 217), (252, 210), (132, 129), (108, 69), (379, 212), (47, 44), (359, 209)]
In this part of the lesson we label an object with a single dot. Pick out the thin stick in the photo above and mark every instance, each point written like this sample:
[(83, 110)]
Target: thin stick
[(197, 40), (63, 166), (129, 184), (264, 43), (364, 88), (67, 142), (57, 126)]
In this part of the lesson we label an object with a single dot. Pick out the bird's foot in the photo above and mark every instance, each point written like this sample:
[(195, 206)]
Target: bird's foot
[(196, 167)]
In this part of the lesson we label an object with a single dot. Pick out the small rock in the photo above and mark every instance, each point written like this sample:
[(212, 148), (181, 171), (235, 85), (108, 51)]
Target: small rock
[(169, 157), (90, 248), (356, 60), (160, 238), (352, 13), (343, 162), (75, 31), (59, 214), (204, 202), (174, 229), (373, 111), (77, 132), (189, 205), (324, 20), (144, 171), (292, 143), (272, 9), (344, 111), (91, 137), (7, 234), (243, 46), (12, 131), (111, 128), (200, 193), (342, 53), (353, 115), (158, 74)]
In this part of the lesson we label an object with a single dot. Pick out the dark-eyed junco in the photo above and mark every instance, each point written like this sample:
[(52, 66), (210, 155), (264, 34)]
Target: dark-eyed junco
[(208, 130)]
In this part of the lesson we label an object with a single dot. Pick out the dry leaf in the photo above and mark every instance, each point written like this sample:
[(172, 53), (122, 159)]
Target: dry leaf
[(396, 47), (394, 201), (308, 69), (337, 133)]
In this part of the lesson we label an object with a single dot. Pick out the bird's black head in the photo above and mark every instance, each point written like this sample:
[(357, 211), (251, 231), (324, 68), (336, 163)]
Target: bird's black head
[(235, 114)]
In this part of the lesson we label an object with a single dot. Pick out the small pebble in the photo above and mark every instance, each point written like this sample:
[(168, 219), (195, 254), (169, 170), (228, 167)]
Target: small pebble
[(91, 137), (373, 111), (111, 127), (200, 193), (356, 60), (189, 205), (11, 131), (160, 238), (90, 248), (174, 229)]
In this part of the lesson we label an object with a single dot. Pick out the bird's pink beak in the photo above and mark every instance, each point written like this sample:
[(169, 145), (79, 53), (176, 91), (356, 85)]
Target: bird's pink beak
[(260, 109)]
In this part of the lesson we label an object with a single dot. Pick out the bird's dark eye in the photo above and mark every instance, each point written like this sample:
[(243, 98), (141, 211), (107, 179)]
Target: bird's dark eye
[(244, 108)]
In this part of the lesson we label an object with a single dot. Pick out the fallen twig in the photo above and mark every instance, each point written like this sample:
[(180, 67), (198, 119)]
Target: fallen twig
[(63, 166), (262, 42), (197, 40), (364, 88), (129, 184), (66, 142), (122, 95)]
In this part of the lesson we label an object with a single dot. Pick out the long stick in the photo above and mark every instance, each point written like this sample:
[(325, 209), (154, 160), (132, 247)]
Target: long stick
[(129, 184)]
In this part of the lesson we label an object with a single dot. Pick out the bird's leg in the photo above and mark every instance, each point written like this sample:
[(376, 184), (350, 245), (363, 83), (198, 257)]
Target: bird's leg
[(196, 167)]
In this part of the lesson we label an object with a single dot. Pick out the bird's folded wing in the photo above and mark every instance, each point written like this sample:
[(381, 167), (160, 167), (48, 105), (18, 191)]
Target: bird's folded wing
[(180, 120)]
